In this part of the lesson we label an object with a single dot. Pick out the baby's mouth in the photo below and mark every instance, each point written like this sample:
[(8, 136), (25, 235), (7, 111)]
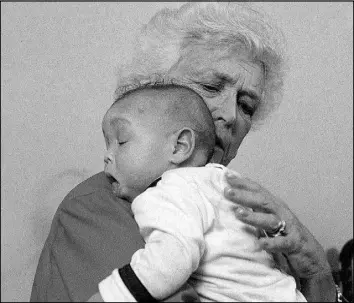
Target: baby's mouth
[(111, 179), (115, 188), (114, 183)]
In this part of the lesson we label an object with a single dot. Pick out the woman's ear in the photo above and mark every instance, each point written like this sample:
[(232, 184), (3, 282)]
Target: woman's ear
[(184, 144)]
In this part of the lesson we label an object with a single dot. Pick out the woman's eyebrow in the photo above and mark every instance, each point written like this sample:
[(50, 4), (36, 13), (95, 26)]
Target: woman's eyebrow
[(225, 78), (213, 74)]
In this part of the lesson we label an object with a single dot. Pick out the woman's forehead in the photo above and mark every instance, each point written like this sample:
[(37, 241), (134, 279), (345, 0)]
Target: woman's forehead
[(201, 64)]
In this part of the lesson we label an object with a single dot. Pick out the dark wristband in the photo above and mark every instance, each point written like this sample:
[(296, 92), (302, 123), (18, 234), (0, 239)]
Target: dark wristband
[(136, 288)]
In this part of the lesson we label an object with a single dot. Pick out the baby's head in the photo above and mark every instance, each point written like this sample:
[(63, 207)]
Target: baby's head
[(152, 129)]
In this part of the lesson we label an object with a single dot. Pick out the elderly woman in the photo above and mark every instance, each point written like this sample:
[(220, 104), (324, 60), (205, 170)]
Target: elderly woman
[(231, 55)]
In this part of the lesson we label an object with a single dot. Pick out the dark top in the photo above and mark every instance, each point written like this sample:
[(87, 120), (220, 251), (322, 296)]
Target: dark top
[(92, 233)]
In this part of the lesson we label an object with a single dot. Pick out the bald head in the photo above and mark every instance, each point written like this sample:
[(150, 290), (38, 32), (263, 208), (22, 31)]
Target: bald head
[(172, 107)]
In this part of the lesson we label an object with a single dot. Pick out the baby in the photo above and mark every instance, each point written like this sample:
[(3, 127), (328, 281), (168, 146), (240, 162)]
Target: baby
[(159, 141)]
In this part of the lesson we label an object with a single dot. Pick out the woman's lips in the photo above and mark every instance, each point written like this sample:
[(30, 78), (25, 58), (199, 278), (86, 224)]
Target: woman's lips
[(223, 143)]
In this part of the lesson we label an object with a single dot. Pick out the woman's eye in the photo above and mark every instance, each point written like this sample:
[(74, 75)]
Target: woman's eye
[(246, 106), (211, 88), (248, 110), (122, 142)]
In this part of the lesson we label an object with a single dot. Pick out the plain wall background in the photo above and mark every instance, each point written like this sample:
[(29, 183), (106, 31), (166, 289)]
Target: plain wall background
[(57, 80)]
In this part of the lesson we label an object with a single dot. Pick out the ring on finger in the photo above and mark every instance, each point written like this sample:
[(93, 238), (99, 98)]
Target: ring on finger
[(278, 231)]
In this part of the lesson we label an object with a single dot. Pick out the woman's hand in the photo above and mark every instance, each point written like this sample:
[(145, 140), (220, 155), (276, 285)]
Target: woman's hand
[(304, 254)]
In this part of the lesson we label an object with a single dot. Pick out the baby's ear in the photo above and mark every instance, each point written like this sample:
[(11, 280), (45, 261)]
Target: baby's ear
[(184, 144)]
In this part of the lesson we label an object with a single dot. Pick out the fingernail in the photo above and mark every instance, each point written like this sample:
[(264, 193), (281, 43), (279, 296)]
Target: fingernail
[(231, 193), (240, 211)]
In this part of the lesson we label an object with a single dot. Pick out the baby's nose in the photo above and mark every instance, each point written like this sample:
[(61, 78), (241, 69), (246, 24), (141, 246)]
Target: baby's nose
[(108, 158), (108, 165)]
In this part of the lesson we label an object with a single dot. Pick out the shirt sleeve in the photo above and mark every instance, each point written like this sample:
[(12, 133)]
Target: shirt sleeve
[(172, 218)]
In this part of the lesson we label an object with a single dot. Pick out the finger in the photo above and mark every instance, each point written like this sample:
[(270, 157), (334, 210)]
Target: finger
[(259, 233), (254, 200), (268, 222), (237, 181), (277, 244)]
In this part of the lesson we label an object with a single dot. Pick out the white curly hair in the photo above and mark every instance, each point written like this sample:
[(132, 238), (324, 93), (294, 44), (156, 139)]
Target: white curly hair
[(162, 41)]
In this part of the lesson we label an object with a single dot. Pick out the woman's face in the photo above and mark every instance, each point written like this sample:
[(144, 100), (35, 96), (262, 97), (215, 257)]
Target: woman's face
[(232, 87)]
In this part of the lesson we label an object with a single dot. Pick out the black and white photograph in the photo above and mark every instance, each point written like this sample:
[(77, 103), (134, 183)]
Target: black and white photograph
[(177, 151)]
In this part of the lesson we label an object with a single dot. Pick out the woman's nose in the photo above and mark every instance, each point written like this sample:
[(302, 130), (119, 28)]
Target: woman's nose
[(227, 112)]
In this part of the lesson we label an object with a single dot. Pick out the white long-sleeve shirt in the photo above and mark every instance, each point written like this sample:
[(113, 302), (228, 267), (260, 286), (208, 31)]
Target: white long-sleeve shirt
[(191, 233)]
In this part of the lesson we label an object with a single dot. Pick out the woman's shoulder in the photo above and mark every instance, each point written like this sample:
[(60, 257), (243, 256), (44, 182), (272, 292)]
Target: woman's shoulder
[(93, 184), (95, 195)]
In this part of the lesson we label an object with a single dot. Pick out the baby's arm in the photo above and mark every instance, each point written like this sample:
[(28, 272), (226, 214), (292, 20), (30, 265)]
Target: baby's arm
[(172, 218)]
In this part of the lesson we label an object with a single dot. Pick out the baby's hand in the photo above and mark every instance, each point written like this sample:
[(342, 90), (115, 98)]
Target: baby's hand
[(185, 294)]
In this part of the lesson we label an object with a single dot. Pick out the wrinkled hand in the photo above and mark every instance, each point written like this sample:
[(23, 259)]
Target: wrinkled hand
[(305, 255)]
